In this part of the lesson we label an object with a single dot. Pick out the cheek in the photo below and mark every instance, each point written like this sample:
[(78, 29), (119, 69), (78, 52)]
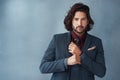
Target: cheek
[(85, 23), (74, 23)]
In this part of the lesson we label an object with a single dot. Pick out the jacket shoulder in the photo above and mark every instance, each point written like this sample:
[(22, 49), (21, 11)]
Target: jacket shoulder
[(62, 35), (94, 37)]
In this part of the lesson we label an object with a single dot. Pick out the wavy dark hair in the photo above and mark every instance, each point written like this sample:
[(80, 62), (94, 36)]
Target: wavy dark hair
[(78, 7)]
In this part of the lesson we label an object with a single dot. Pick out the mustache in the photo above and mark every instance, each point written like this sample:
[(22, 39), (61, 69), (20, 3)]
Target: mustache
[(79, 26)]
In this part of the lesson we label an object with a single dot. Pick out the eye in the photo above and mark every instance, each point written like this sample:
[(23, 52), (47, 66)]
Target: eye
[(76, 19), (84, 18)]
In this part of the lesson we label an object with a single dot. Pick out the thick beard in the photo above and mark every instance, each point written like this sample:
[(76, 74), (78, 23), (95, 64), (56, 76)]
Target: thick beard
[(77, 32)]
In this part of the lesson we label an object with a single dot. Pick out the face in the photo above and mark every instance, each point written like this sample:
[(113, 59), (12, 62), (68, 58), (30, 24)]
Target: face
[(79, 22)]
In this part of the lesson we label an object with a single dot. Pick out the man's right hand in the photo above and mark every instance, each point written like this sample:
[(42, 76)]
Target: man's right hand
[(74, 59)]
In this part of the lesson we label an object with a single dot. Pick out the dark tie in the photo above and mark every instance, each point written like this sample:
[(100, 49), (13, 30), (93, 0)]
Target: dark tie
[(78, 42), (75, 69)]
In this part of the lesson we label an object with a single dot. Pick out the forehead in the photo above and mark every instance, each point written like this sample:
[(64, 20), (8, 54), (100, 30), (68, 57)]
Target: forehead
[(80, 14)]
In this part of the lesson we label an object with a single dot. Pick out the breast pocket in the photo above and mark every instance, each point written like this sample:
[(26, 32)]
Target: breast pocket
[(92, 53)]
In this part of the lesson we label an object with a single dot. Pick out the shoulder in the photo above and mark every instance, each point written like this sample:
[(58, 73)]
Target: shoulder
[(62, 35), (94, 38)]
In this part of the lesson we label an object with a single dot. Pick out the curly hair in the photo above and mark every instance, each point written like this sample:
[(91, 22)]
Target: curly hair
[(78, 7)]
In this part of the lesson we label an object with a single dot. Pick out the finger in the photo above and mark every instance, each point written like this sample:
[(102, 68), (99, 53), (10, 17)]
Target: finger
[(70, 45), (71, 51), (78, 62), (69, 48), (73, 43)]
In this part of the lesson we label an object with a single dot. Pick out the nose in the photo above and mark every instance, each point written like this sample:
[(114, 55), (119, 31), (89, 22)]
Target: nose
[(79, 22)]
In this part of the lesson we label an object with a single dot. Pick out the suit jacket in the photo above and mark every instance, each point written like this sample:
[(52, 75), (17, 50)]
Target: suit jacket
[(54, 59)]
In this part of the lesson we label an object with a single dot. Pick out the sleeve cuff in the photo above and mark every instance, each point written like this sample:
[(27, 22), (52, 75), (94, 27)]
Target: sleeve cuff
[(65, 63)]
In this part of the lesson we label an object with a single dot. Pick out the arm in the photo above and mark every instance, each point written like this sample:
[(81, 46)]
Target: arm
[(49, 63), (96, 66)]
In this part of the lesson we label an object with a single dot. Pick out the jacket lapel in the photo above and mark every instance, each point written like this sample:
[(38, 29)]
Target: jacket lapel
[(68, 40), (87, 43)]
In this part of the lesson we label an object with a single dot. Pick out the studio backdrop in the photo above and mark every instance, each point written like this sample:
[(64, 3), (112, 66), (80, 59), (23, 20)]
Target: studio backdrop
[(27, 26)]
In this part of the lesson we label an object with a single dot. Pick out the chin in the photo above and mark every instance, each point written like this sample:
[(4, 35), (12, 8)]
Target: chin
[(80, 32)]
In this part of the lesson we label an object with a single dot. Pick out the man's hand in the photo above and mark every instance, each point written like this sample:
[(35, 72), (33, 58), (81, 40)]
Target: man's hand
[(74, 59), (74, 49)]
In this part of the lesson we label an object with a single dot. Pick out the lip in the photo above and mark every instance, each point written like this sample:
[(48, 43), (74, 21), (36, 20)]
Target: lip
[(80, 27)]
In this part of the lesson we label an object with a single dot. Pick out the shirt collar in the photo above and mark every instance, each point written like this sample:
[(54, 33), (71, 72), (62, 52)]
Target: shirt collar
[(75, 36)]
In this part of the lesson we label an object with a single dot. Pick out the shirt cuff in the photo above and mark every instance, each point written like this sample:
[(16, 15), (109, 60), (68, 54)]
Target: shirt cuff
[(65, 63)]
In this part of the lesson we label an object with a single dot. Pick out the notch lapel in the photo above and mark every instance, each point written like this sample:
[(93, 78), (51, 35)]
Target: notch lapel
[(87, 43), (68, 40)]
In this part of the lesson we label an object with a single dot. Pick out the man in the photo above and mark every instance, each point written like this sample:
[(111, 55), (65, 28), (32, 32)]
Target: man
[(75, 55)]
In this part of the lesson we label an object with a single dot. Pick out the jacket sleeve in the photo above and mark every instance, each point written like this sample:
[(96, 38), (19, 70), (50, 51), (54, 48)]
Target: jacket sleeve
[(97, 65), (49, 64)]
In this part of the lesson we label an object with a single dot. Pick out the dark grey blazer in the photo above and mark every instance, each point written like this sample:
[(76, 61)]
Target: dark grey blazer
[(54, 60)]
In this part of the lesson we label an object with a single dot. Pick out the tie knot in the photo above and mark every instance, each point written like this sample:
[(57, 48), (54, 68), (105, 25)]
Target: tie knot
[(78, 41)]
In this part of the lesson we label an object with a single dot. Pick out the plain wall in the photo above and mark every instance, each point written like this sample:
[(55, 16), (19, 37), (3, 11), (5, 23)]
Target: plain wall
[(27, 26)]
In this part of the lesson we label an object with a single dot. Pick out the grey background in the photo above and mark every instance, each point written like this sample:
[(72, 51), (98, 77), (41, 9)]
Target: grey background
[(27, 26)]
